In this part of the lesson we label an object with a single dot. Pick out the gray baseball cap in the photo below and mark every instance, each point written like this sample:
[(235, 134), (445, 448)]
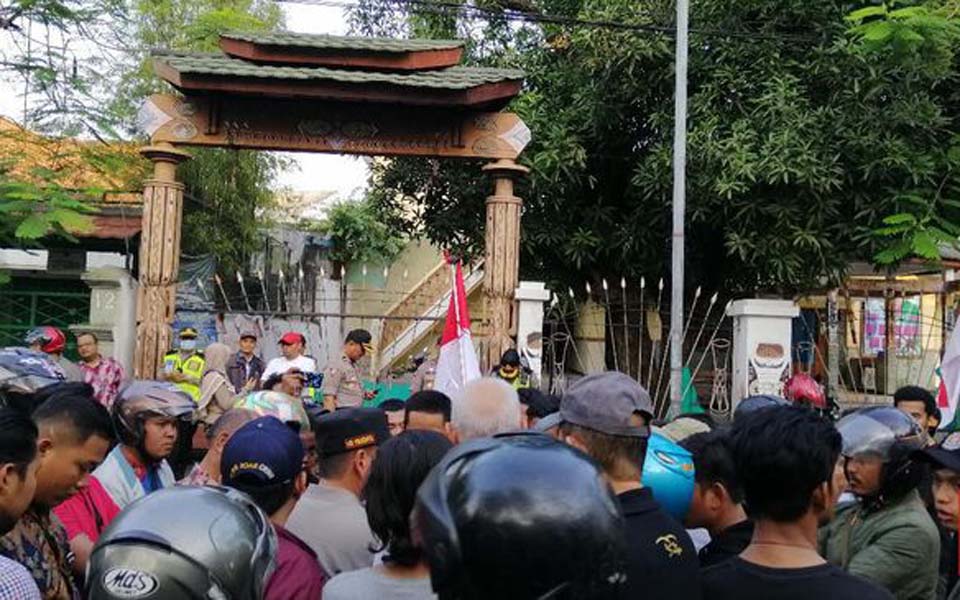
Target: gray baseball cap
[(605, 402)]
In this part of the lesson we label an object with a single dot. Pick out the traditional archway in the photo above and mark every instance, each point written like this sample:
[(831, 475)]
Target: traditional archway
[(317, 93)]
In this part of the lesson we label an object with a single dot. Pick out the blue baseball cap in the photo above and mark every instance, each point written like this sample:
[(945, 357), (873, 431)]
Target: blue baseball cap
[(263, 452)]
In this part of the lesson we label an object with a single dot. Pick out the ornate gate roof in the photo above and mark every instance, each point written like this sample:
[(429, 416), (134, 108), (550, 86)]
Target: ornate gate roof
[(289, 65)]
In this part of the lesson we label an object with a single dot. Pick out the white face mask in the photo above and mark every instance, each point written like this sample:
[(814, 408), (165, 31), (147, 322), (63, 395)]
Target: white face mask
[(188, 344)]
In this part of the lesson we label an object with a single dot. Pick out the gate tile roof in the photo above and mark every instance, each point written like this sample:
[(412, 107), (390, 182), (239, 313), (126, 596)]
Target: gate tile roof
[(451, 78), (333, 42)]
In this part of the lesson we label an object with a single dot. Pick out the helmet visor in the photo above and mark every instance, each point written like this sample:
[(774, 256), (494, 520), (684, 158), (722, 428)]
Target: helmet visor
[(863, 435)]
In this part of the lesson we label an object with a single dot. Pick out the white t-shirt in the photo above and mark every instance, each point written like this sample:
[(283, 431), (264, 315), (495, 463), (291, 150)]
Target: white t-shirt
[(282, 365)]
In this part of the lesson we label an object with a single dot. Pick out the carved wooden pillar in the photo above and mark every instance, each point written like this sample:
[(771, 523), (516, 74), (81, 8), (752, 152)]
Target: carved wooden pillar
[(501, 265), (159, 258)]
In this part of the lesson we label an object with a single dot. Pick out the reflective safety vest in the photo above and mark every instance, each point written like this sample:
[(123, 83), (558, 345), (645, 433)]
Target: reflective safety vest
[(519, 382), (191, 367)]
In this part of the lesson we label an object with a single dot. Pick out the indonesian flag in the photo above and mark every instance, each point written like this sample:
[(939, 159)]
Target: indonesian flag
[(458, 360), (949, 380)]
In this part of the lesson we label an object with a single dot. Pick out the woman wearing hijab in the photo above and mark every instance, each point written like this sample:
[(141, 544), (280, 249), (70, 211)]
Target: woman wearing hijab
[(217, 394)]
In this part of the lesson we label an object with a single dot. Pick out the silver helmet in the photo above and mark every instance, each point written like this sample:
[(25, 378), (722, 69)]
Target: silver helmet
[(891, 435), (142, 399), (185, 543)]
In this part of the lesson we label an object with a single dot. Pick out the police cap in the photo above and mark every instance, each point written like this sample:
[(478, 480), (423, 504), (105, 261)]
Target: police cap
[(350, 429)]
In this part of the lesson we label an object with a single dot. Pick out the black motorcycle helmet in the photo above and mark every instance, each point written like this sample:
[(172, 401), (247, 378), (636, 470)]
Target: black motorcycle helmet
[(890, 434), (752, 403), (520, 516)]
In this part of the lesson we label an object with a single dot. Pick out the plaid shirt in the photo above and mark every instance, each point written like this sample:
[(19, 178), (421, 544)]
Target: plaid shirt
[(15, 582), (105, 379)]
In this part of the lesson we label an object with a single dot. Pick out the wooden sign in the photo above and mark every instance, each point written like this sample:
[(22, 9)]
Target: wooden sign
[(309, 126)]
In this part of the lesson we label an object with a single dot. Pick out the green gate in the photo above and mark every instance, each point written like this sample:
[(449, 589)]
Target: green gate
[(23, 309)]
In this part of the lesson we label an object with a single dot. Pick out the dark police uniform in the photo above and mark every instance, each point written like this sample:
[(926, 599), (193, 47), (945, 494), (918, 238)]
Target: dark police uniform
[(662, 562)]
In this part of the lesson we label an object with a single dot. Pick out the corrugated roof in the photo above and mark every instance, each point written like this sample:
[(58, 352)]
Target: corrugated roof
[(452, 78), (334, 42)]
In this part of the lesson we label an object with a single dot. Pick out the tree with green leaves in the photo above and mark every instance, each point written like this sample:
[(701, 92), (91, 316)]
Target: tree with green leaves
[(358, 233), (91, 76), (805, 134), (227, 190)]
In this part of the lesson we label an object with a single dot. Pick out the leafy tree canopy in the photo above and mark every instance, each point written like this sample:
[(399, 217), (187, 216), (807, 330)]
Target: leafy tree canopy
[(86, 70), (226, 189), (815, 139), (358, 233)]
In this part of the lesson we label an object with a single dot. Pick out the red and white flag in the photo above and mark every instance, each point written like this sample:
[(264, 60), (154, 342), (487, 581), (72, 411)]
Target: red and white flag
[(458, 360), (949, 380)]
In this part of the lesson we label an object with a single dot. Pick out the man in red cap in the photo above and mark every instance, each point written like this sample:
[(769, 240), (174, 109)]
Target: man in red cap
[(291, 346)]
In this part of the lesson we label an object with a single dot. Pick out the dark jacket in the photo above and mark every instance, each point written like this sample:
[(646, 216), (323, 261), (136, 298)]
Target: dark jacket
[(237, 370), (949, 584), (662, 562), (729, 543)]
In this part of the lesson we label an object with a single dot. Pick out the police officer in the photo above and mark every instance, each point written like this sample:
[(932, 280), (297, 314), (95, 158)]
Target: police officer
[(886, 536), (425, 376), (342, 386), (510, 370), (330, 516), (184, 367)]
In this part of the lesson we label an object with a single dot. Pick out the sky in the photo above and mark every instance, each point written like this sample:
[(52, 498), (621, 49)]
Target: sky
[(344, 175)]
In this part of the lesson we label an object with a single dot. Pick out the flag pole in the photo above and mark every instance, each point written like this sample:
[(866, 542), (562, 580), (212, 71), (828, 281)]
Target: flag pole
[(456, 311)]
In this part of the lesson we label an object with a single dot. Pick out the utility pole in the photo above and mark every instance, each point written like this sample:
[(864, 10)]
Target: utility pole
[(679, 207)]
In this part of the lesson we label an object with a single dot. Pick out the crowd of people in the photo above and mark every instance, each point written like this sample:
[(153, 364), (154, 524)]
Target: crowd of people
[(232, 478)]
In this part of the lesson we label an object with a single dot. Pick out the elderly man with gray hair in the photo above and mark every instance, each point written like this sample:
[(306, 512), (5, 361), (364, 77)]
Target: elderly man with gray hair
[(485, 407)]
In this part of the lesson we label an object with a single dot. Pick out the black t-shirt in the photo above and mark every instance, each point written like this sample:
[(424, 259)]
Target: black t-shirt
[(737, 579), (662, 562), (730, 542)]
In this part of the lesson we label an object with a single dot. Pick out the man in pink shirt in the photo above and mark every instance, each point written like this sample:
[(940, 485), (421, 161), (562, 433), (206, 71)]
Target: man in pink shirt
[(265, 459), (104, 374)]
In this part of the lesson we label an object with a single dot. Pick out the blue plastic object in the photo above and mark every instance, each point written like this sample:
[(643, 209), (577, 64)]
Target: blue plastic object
[(668, 472)]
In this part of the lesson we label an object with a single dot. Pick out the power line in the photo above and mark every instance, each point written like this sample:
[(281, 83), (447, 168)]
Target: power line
[(441, 7)]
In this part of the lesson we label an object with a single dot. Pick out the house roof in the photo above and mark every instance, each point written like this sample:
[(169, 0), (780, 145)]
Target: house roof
[(108, 172), (112, 169)]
